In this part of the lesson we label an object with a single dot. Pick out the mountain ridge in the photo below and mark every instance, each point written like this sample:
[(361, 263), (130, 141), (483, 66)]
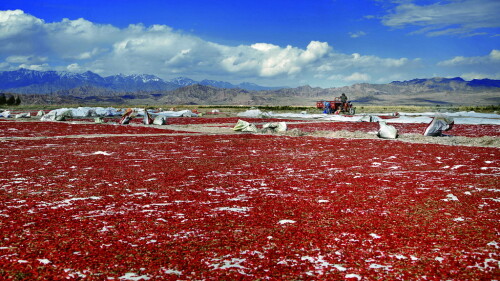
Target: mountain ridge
[(88, 87), (25, 81)]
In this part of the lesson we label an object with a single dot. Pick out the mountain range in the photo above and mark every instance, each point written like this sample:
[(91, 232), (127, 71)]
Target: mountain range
[(43, 87), (24, 81)]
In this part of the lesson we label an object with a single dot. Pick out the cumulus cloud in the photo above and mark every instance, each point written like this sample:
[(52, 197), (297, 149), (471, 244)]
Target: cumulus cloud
[(80, 45), (478, 67), (16, 22), (270, 60), (357, 34), (26, 59), (459, 17), (475, 75), (354, 77), (39, 67), (365, 63), (357, 68), (492, 58)]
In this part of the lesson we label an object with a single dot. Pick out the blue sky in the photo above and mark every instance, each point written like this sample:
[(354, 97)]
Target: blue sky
[(325, 43)]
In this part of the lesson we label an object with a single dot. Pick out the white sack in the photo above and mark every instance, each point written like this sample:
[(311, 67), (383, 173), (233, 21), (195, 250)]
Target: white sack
[(160, 120), (439, 124), (387, 131), (251, 128), (244, 126), (275, 126)]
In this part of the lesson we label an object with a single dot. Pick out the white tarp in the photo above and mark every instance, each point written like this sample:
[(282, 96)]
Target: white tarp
[(23, 115), (256, 113), (85, 112), (110, 111), (463, 117), (181, 113), (147, 120), (53, 117)]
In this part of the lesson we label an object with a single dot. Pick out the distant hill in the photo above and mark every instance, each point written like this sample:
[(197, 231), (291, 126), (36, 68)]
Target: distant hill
[(432, 91), (431, 85), (51, 87), (24, 81)]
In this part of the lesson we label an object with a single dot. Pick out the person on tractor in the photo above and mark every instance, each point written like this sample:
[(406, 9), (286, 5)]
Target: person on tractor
[(343, 100), (326, 106)]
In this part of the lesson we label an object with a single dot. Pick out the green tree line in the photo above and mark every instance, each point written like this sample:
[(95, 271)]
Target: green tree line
[(9, 99)]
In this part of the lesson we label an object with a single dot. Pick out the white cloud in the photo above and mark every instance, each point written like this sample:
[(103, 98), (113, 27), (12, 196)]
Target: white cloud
[(269, 60), (39, 67), (26, 59), (354, 77), (80, 45), (364, 63), (492, 58), (74, 67), (478, 67), (459, 17), (357, 34), (475, 75), (16, 22), (495, 55), (264, 47)]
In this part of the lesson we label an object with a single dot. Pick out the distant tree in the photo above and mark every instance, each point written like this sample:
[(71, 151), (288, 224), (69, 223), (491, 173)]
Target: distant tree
[(18, 100), (10, 100), (3, 99)]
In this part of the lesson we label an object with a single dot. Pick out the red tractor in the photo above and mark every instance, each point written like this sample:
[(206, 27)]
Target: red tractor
[(336, 107)]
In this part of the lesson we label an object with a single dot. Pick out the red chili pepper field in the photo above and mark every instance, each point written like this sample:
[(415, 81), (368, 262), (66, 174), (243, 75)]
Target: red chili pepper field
[(184, 206)]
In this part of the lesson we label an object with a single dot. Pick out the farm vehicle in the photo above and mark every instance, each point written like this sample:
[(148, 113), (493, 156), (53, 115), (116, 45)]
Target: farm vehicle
[(336, 107)]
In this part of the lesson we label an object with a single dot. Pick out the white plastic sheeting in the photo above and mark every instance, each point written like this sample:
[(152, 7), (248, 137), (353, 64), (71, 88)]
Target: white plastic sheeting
[(148, 120), (23, 115), (53, 117), (462, 117), (181, 113), (110, 111), (86, 112)]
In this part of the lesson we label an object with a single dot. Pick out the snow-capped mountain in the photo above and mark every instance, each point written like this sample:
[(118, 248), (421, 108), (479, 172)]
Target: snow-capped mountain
[(25, 77), (182, 81), (43, 82)]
